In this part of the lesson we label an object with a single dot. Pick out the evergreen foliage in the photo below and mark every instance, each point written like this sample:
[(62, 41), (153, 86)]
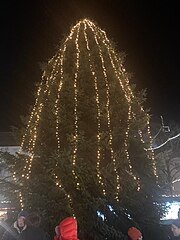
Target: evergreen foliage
[(63, 181)]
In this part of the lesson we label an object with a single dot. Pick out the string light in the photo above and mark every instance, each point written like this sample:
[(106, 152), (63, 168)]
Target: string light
[(98, 111), (21, 200), (75, 107), (19, 194)]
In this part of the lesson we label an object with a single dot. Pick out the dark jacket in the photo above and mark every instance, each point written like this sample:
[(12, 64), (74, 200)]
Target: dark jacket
[(33, 233), (12, 233)]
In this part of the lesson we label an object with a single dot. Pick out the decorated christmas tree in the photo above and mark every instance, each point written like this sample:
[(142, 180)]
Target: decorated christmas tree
[(86, 150)]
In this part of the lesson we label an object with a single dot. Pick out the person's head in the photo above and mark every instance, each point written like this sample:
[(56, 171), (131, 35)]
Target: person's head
[(175, 227), (33, 219), (134, 233), (21, 219)]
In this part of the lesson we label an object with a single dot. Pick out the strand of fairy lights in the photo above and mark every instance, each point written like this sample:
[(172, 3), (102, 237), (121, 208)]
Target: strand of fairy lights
[(31, 116), (33, 140), (141, 136), (142, 140), (58, 97), (67, 195), (21, 200), (61, 60), (31, 149), (58, 182), (54, 72), (75, 107), (20, 193), (108, 112), (152, 151), (98, 112)]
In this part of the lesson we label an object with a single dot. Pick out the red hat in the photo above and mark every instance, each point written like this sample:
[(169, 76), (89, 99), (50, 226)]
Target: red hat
[(134, 233), (68, 229)]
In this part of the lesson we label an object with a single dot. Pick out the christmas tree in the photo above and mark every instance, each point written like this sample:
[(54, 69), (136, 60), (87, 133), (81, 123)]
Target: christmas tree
[(87, 149)]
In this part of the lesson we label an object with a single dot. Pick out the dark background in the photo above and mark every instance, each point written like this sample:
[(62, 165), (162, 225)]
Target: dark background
[(147, 31)]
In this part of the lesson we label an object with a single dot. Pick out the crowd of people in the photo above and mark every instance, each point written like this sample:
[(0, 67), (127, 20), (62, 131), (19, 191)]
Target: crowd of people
[(27, 227)]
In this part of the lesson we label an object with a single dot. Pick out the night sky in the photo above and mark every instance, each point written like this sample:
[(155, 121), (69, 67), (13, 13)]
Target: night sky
[(147, 32)]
